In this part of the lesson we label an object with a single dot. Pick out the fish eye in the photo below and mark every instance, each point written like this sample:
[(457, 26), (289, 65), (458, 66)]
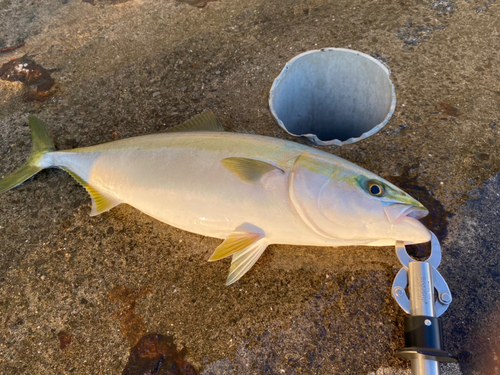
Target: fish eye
[(375, 188)]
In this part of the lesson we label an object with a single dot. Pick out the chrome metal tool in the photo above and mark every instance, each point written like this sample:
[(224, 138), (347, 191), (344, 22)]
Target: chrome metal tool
[(429, 298)]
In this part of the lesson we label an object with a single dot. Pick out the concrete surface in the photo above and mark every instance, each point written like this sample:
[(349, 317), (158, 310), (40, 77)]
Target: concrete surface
[(81, 295)]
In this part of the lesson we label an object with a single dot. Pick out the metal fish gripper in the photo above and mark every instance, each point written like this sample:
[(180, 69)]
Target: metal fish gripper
[(429, 298)]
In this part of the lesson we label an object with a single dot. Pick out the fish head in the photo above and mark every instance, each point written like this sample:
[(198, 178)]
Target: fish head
[(372, 208), (341, 200)]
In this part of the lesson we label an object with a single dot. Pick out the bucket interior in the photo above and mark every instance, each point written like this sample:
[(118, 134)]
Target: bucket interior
[(333, 94)]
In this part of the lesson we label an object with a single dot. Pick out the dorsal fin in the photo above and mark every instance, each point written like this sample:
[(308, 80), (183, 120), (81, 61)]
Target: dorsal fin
[(100, 202), (248, 170), (206, 122)]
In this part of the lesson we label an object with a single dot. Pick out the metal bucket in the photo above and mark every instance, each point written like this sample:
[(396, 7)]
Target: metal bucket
[(333, 96)]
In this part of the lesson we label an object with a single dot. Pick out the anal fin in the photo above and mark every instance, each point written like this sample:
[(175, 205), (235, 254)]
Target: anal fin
[(101, 202)]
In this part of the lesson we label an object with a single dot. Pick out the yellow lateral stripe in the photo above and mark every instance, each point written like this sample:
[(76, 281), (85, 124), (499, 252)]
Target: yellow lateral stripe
[(236, 241)]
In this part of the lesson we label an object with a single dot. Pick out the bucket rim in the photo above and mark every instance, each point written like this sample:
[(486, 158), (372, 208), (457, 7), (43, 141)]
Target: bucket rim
[(333, 142)]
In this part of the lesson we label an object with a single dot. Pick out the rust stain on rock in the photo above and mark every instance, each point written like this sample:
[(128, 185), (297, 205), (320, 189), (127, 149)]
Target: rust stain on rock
[(64, 340), (37, 81), (449, 109), (8, 49), (156, 354), (132, 326)]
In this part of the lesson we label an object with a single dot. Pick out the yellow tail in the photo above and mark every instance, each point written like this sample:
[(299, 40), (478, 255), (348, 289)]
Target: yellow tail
[(42, 143)]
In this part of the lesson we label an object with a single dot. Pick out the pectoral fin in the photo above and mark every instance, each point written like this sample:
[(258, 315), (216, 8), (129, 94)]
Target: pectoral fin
[(244, 260), (248, 170), (101, 202)]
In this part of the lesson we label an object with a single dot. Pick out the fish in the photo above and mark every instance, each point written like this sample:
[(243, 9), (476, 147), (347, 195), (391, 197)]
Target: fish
[(248, 190)]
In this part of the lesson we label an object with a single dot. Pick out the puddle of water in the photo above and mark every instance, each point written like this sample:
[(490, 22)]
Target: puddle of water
[(36, 79), (156, 354)]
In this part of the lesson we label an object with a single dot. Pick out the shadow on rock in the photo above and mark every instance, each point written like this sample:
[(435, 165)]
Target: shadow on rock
[(436, 220), (471, 267)]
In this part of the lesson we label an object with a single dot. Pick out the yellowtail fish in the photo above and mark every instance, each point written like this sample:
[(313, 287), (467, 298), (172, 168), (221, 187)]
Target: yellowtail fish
[(249, 190)]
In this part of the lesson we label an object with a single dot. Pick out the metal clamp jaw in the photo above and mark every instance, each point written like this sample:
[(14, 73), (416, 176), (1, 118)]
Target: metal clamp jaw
[(423, 332), (401, 281)]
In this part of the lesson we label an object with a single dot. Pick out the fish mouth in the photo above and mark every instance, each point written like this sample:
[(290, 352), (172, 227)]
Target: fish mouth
[(396, 212), (405, 224)]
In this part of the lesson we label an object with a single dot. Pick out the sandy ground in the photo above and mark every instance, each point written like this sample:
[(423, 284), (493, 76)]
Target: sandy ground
[(124, 293)]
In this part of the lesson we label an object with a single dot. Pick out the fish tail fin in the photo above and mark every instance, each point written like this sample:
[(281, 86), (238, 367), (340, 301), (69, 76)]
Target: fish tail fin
[(42, 144)]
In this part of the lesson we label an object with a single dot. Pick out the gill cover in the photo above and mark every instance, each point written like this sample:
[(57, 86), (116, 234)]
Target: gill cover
[(310, 189)]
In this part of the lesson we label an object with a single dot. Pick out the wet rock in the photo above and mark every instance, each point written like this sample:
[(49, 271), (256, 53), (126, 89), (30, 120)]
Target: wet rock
[(156, 354), (412, 34), (36, 79)]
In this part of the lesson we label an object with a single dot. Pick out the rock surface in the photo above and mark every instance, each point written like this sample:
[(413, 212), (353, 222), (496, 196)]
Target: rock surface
[(77, 294)]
